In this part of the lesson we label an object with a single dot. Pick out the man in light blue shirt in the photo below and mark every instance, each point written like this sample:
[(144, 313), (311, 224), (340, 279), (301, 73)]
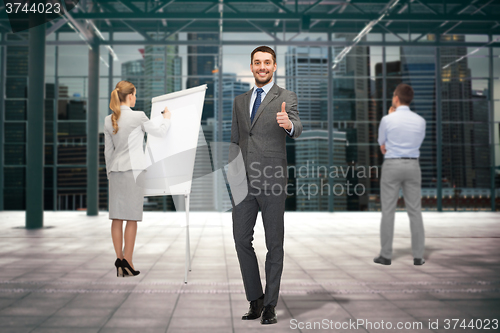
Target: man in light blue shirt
[(400, 136)]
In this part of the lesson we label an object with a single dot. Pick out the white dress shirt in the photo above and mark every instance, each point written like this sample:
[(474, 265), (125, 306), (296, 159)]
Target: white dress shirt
[(402, 132)]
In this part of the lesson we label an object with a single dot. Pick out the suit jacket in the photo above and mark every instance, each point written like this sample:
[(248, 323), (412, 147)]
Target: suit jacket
[(124, 151), (262, 143)]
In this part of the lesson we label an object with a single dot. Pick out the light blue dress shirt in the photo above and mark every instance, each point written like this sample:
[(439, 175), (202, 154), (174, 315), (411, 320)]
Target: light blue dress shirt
[(402, 132), (266, 89)]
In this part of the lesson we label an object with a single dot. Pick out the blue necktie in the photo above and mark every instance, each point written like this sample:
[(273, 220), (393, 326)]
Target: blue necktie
[(256, 104)]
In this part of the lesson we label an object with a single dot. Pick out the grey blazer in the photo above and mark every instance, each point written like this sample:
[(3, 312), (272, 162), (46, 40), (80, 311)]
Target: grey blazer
[(262, 143), (124, 151)]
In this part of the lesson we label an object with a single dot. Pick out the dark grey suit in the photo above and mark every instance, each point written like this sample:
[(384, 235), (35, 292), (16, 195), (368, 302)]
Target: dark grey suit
[(262, 144)]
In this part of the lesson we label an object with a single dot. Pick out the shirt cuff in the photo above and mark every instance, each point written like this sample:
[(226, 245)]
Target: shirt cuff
[(291, 131)]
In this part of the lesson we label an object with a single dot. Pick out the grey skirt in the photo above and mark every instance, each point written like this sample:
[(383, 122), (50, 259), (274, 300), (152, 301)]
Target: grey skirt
[(126, 196)]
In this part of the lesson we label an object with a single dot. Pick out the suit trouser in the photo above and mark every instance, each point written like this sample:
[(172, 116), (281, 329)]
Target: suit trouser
[(405, 174), (244, 218)]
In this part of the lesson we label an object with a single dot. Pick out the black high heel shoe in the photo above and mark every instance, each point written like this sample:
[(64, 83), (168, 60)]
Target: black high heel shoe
[(127, 269), (119, 269)]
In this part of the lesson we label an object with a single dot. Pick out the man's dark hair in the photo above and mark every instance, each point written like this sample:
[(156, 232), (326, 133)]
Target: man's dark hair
[(265, 49), (404, 93)]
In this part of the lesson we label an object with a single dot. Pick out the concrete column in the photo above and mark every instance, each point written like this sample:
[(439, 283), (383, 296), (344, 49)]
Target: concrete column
[(491, 125), (331, 197), (35, 143), (93, 132), (439, 131), (3, 56)]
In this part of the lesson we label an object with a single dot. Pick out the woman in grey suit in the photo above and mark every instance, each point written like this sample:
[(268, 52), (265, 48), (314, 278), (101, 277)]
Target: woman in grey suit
[(123, 150)]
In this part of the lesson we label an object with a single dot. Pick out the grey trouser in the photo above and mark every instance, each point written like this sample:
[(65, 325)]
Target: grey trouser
[(244, 218), (405, 174)]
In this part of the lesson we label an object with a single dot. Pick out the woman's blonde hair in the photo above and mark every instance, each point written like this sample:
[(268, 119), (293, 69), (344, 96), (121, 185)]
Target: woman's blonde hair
[(119, 95)]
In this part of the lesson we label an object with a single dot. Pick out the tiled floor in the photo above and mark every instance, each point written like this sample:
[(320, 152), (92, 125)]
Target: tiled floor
[(62, 279)]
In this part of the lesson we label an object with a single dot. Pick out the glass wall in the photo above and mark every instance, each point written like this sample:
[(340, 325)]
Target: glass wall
[(354, 96)]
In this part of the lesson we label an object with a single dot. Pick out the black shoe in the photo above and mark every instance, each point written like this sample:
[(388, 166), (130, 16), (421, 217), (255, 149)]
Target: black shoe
[(127, 269), (119, 268), (418, 261), (269, 315), (255, 309), (381, 260)]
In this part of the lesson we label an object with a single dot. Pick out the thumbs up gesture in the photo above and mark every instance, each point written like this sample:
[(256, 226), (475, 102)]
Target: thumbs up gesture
[(282, 118)]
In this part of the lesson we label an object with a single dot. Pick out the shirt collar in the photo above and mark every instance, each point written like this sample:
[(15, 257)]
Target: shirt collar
[(266, 88), (403, 108), (124, 107)]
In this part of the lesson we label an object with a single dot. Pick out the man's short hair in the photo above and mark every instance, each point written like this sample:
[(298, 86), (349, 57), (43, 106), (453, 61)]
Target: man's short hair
[(404, 93), (265, 49)]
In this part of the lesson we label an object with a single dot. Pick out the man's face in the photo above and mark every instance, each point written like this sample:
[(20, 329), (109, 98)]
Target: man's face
[(262, 67)]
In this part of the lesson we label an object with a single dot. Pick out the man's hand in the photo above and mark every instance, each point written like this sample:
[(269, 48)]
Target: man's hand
[(166, 113), (382, 149), (391, 110), (282, 118)]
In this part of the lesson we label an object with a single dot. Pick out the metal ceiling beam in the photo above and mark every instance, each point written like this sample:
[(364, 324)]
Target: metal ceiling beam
[(130, 6), (131, 25), (161, 6), (56, 26), (450, 29), (139, 31), (428, 7), (480, 9), (307, 2), (258, 42), (346, 17), (178, 30), (293, 27), (214, 5), (391, 32), (274, 2), (263, 30), (231, 7), (433, 31), (312, 6)]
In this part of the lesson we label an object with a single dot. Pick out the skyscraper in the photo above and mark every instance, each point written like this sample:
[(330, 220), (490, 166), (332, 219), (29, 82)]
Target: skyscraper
[(231, 87), (133, 71), (418, 71), (457, 113), (481, 158), (351, 108), (312, 171), (306, 75), (163, 70), (202, 60)]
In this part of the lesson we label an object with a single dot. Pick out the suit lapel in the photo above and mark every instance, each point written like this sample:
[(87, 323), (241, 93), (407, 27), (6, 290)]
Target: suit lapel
[(273, 92), (246, 113)]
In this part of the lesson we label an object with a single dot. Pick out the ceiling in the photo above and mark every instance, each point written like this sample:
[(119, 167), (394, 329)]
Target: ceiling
[(400, 18)]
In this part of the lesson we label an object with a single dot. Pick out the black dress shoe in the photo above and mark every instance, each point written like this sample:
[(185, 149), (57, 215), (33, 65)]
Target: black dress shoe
[(418, 261), (381, 260), (269, 315), (255, 309)]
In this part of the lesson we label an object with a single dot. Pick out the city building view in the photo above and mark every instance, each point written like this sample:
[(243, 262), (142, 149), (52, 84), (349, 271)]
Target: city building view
[(361, 91)]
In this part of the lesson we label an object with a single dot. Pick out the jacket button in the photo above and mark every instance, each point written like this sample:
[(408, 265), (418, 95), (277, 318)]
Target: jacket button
[(250, 134)]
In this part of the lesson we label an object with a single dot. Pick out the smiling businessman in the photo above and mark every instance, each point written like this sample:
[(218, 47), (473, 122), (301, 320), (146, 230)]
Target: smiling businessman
[(262, 119)]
